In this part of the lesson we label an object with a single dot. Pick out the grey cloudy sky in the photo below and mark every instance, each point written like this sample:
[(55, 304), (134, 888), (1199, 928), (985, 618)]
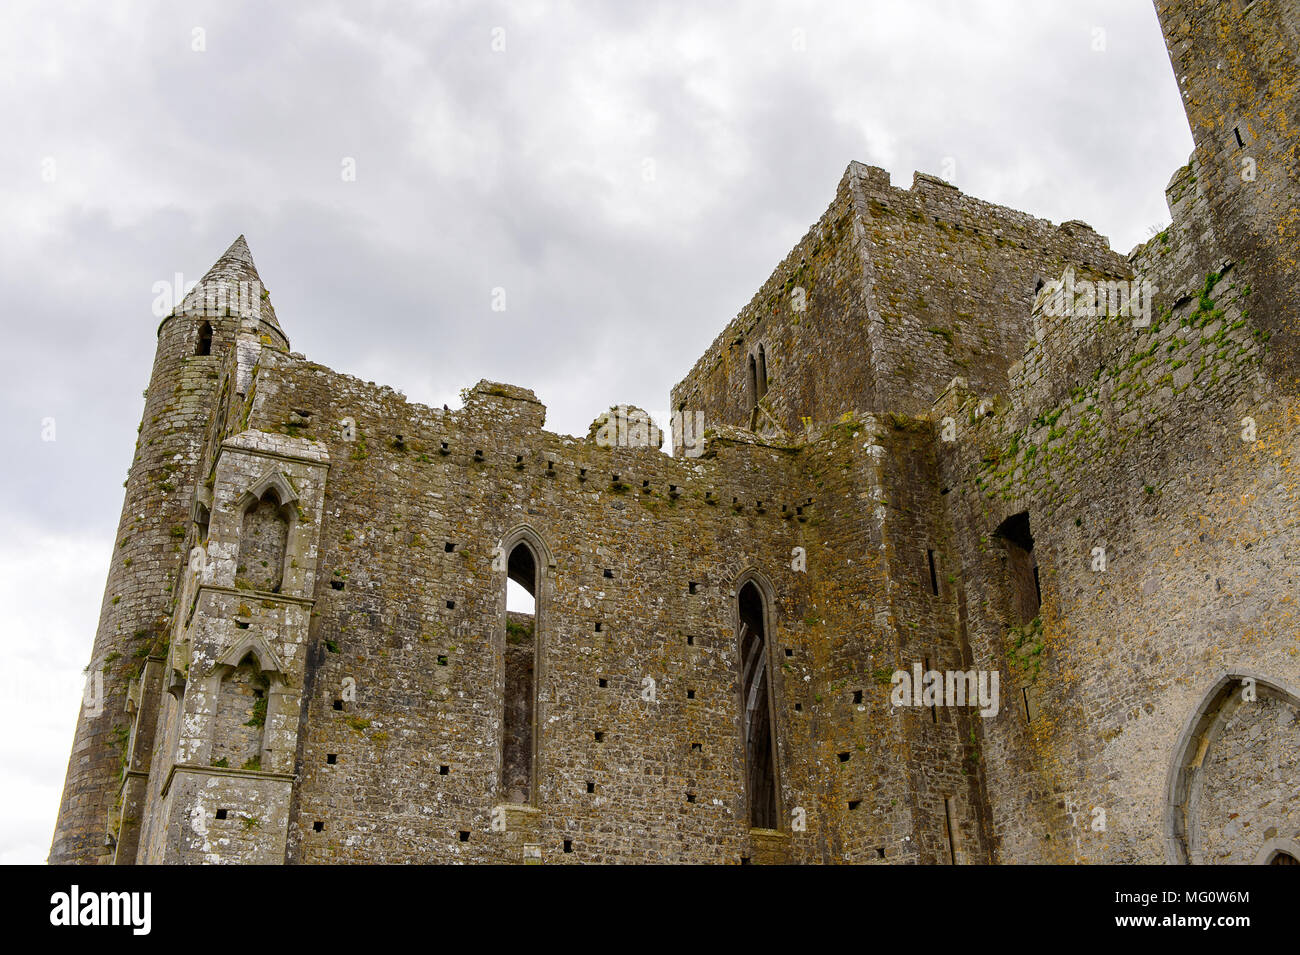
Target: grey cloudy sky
[(629, 173)]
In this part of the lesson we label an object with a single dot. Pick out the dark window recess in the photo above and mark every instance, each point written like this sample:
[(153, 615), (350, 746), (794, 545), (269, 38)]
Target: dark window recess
[(318, 826), (338, 704), (857, 696), (204, 344), (690, 694), (934, 709), (451, 605), (934, 573), (751, 394), (609, 574), (241, 624), (336, 584), (591, 787), (600, 736), (519, 705), (464, 836), (690, 797), (599, 625), (444, 770), (602, 682), (1023, 591), (448, 547), (1237, 132), (331, 758), (692, 587), (690, 640), (442, 660), (843, 757), (854, 804), (568, 845), (223, 813), (697, 747), (880, 852)]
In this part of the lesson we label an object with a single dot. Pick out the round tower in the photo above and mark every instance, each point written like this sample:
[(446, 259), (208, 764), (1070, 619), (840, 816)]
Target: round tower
[(194, 342)]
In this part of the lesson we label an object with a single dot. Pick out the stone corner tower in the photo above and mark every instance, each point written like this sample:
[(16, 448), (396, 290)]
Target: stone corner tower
[(109, 765), (1238, 69)]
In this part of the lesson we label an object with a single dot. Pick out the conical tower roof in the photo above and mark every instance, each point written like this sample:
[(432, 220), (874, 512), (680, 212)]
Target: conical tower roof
[(232, 288)]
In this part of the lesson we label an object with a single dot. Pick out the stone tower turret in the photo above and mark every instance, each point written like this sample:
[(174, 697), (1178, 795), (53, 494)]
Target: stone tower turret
[(109, 764), (1238, 70)]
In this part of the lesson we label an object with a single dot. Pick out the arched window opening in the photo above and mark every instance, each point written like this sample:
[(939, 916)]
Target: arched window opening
[(1284, 858), (241, 716), (262, 544), (520, 683), (1224, 789), (1022, 568), (762, 371), (204, 346), (756, 722), (751, 393)]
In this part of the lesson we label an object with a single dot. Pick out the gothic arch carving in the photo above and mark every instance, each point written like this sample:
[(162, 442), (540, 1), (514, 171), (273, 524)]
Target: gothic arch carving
[(1273, 848), (1202, 728), (252, 643), (268, 522), (526, 533), (274, 479), (240, 735)]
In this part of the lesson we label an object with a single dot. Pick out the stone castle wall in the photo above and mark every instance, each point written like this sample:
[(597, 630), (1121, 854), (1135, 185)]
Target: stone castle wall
[(305, 645)]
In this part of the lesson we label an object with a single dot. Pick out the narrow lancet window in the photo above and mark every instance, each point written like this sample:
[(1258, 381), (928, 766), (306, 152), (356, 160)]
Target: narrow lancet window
[(756, 722), (521, 660)]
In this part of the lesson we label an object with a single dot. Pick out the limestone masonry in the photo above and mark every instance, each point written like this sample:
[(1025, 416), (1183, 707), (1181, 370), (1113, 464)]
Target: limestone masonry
[(928, 444)]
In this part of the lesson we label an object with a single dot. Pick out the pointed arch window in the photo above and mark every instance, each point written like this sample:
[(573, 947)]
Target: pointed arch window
[(756, 707), (526, 561), (268, 518), (204, 344), (246, 683)]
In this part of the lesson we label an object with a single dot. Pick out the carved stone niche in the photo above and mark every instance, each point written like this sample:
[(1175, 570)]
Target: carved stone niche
[(247, 685), (269, 519)]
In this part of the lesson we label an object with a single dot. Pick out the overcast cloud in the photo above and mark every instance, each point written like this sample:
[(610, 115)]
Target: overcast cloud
[(629, 173)]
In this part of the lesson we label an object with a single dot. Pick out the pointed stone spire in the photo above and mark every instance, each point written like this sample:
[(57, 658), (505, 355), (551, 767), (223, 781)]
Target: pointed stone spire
[(232, 288)]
